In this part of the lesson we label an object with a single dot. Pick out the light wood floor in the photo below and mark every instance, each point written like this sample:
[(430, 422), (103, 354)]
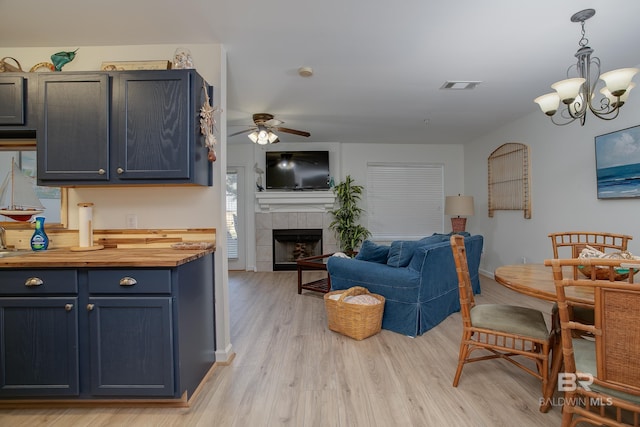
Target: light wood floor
[(290, 369)]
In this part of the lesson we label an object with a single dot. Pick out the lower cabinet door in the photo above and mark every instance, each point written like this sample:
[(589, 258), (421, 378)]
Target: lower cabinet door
[(38, 346), (131, 346)]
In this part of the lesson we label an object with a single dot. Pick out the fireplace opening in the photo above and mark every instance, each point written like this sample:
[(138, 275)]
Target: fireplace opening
[(291, 245)]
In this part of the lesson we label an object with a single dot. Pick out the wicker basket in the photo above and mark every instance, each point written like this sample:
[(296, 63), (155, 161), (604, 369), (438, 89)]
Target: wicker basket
[(358, 321)]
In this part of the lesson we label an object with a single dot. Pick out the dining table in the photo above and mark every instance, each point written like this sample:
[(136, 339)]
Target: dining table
[(536, 280)]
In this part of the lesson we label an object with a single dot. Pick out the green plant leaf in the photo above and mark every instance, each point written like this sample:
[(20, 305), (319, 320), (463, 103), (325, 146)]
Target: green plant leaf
[(349, 233)]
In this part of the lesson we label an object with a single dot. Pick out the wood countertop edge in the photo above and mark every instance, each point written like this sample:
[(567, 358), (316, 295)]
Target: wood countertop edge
[(126, 257)]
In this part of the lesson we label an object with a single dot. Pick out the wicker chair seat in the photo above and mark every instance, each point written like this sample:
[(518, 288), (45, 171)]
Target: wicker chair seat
[(510, 319)]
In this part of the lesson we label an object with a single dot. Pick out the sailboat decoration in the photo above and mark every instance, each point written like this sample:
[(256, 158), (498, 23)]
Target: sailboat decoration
[(18, 199)]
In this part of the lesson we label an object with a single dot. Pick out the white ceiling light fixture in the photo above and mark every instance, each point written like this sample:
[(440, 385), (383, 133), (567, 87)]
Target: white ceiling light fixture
[(305, 71), (262, 136), (578, 93)]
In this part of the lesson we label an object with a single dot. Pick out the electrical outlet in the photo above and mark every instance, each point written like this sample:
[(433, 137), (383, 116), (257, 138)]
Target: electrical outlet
[(132, 221)]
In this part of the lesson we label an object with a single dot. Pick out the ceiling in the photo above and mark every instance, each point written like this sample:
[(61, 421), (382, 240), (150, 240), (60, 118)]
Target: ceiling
[(378, 65)]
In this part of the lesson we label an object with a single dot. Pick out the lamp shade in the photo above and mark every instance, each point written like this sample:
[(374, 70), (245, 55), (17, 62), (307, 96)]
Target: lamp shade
[(548, 103), (458, 205), (617, 81), (568, 89)]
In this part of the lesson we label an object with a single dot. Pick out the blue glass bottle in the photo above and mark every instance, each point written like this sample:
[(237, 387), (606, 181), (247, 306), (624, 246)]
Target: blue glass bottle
[(39, 240)]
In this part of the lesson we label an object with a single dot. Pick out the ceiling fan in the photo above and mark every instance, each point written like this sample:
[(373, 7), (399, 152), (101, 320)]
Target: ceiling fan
[(266, 126)]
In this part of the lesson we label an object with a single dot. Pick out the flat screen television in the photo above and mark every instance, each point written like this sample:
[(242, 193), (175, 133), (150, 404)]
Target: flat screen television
[(297, 170)]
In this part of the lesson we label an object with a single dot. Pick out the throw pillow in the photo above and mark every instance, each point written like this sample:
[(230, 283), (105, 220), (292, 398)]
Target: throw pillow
[(373, 252), (401, 252)]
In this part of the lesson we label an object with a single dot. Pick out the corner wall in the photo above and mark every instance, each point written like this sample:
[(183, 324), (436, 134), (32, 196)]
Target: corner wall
[(564, 193)]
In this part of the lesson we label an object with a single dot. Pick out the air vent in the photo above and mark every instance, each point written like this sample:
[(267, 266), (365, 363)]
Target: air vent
[(459, 85)]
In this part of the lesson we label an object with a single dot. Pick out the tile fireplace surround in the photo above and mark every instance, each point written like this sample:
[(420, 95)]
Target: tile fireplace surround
[(291, 210)]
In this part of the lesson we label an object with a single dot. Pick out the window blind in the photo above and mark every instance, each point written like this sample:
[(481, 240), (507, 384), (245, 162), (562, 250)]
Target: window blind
[(404, 201)]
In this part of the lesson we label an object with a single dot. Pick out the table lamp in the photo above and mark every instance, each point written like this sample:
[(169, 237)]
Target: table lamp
[(458, 206)]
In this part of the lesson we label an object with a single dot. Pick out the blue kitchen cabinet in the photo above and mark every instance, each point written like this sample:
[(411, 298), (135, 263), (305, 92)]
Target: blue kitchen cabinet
[(107, 333), (131, 334), (122, 127), (18, 100), (38, 333), (73, 133)]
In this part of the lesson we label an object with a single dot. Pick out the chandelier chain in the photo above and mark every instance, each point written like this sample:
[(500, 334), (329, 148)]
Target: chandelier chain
[(583, 40)]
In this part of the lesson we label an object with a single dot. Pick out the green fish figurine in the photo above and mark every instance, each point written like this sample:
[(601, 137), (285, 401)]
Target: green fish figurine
[(61, 58)]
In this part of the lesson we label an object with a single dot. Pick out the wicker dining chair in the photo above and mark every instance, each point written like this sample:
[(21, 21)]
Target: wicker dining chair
[(505, 331), (576, 241), (603, 354)]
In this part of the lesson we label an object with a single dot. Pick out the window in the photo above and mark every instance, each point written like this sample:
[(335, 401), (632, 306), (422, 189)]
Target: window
[(404, 200), (23, 154)]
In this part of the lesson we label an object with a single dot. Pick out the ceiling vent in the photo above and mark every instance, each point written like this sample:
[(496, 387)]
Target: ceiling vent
[(459, 85)]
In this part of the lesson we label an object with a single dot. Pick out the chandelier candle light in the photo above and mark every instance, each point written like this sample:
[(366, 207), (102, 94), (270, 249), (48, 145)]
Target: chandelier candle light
[(578, 93), (458, 206)]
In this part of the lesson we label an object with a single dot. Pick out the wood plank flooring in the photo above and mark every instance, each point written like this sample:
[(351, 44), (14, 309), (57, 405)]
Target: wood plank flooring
[(291, 370)]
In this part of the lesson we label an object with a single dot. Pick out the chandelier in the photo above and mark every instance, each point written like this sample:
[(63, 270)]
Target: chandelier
[(578, 93)]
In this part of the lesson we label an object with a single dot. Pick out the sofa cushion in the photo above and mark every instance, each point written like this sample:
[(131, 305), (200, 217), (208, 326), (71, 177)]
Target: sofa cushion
[(370, 251), (401, 252)]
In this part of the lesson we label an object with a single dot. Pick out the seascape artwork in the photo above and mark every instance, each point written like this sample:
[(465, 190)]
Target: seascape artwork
[(618, 164)]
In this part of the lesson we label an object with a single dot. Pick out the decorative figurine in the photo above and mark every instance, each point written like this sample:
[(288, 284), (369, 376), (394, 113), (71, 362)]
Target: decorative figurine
[(61, 58), (182, 59)]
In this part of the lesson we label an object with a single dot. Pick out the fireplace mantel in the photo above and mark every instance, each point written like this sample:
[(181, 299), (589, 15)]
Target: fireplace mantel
[(295, 201)]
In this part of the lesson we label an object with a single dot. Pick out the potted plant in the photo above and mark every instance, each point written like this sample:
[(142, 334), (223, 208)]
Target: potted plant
[(349, 233)]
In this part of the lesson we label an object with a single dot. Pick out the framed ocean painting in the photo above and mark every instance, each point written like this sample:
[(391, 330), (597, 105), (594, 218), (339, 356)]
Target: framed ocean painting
[(618, 164)]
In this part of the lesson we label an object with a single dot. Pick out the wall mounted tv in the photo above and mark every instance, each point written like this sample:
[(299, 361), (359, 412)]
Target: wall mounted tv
[(297, 170)]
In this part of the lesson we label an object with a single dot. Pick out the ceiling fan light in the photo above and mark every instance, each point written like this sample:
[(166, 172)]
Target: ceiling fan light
[(272, 137), (618, 81), (568, 89), (253, 136), (548, 103)]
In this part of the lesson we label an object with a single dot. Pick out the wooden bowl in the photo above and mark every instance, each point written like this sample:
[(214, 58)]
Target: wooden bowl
[(602, 273)]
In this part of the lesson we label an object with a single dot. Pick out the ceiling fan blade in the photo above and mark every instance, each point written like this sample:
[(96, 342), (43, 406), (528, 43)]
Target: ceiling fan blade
[(242, 131), (273, 123), (293, 131)]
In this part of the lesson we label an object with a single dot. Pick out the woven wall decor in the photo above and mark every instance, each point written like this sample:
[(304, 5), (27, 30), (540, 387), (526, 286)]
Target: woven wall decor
[(510, 179)]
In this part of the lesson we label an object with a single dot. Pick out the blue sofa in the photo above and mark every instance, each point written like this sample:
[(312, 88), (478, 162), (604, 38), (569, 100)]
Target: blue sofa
[(417, 278)]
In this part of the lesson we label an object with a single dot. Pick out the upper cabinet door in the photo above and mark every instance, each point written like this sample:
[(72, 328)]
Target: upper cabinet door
[(73, 133), (13, 101), (153, 126)]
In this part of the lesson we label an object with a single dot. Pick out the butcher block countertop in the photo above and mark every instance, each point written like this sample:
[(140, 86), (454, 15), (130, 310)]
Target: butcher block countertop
[(107, 257)]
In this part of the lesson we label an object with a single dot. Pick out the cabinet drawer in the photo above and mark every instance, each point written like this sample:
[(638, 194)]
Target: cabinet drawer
[(39, 282), (129, 281)]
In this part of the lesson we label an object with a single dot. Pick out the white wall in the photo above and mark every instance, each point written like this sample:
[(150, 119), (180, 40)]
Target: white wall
[(162, 206), (564, 196), (351, 159)]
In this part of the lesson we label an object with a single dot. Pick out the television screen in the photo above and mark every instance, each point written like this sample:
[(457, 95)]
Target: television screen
[(297, 170)]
